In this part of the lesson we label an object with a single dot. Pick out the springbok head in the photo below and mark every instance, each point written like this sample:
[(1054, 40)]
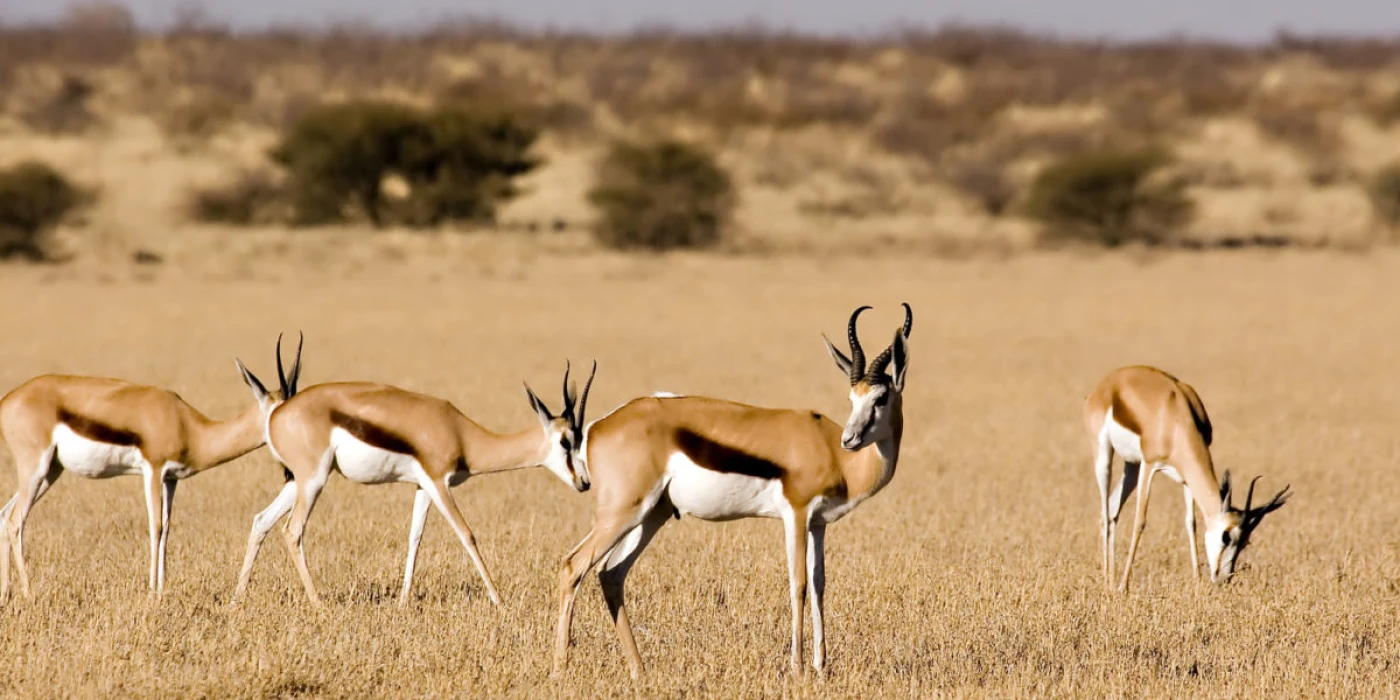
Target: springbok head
[(876, 391), (564, 432), (1228, 533)]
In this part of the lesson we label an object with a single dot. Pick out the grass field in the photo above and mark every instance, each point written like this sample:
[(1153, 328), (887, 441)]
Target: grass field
[(974, 573)]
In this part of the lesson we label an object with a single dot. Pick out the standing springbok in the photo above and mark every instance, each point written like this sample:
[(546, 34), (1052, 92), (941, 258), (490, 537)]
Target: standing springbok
[(1149, 417), (101, 428), (379, 434), (718, 460)]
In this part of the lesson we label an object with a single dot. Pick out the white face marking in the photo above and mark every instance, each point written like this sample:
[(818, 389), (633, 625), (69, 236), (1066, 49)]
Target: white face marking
[(93, 459), (712, 495), (560, 462), (1219, 555), (869, 420), (367, 464)]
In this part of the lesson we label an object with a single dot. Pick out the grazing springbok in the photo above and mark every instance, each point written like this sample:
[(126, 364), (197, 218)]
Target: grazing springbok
[(719, 460), (1149, 417), (101, 428), (379, 434)]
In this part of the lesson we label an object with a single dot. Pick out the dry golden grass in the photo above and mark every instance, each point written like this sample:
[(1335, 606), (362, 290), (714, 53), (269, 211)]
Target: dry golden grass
[(974, 574)]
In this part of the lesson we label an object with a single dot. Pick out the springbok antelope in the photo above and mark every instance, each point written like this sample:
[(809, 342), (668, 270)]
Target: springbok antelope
[(101, 428), (1149, 417), (379, 434), (718, 460)]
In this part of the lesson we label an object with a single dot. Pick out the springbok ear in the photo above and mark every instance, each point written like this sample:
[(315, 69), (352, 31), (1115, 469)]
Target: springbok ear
[(1225, 488), (842, 362), (540, 410), (899, 360), (259, 391)]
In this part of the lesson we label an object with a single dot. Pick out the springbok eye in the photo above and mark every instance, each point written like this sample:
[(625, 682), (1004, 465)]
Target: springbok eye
[(1225, 539), (882, 399)]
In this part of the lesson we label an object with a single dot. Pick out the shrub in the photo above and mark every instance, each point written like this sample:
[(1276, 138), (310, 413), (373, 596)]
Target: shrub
[(459, 164), (464, 164), (661, 196), (1109, 198), (252, 198), (1385, 194), (33, 199), (65, 111), (339, 154)]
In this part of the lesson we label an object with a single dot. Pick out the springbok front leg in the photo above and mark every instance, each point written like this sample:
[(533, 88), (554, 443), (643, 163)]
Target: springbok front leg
[(1191, 532), (612, 576), (294, 531), (421, 503), (816, 578), (1139, 523), (151, 479), (607, 531), (442, 498), (795, 531), (262, 524), (167, 503)]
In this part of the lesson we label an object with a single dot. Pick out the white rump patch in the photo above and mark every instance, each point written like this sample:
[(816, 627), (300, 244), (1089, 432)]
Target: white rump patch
[(1126, 443), (712, 495), (93, 459), (364, 463)]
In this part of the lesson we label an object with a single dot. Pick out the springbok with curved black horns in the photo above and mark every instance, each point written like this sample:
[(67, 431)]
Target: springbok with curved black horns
[(719, 460), (101, 428), (379, 434), (1152, 419)]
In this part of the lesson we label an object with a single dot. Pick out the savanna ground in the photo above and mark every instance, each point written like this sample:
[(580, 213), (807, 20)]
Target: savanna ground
[(974, 573)]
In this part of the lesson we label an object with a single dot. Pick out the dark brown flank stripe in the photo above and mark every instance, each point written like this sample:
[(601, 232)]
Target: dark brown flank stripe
[(372, 434), (723, 458), (1122, 416), (98, 431)]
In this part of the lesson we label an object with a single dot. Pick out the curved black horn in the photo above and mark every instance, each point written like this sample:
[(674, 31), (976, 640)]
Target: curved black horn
[(882, 361), (568, 398), (857, 352), (281, 375), (296, 367), (1249, 496), (583, 400)]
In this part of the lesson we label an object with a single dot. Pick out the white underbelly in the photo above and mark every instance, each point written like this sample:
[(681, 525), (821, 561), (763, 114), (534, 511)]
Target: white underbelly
[(367, 464), (93, 459), (1125, 442), (711, 495)]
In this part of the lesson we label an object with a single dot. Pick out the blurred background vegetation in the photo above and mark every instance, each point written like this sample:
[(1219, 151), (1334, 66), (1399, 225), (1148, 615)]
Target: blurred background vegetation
[(953, 141)]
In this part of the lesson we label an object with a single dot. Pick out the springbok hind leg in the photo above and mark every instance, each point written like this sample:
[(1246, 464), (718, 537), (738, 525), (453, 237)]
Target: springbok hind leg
[(29, 491), (1103, 473)]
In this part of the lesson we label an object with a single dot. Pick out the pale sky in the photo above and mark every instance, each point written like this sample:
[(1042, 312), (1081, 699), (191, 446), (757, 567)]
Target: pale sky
[(1228, 19)]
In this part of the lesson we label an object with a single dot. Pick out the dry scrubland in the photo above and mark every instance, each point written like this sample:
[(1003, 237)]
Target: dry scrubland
[(920, 139), (974, 573)]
